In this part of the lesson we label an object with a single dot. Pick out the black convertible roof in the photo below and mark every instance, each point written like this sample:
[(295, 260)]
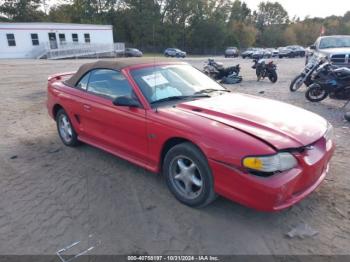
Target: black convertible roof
[(116, 64)]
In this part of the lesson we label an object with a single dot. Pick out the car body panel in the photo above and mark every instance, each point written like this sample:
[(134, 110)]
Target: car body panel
[(231, 52), (132, 52), (261, 119), (174, 52), (226, 128)]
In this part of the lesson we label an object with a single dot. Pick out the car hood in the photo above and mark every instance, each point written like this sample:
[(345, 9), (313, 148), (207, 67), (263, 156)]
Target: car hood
[(334, 51), (279, 124)]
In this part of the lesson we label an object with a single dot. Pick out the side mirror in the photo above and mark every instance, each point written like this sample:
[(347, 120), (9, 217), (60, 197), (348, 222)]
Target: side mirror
[(126, 101), (312, 47)]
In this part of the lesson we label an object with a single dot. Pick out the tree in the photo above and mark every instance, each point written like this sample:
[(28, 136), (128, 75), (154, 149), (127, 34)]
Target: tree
[(270, 14), (243, 34), (22, 10), (272, 36), (239, 12)]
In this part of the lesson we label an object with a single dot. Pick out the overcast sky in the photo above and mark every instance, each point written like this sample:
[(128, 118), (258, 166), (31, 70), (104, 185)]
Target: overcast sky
[(312, 8)]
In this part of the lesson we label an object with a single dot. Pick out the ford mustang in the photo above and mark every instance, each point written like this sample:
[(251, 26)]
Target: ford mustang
[(170, 118)]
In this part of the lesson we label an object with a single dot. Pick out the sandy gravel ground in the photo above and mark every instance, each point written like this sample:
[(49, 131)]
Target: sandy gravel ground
[(51, 195)]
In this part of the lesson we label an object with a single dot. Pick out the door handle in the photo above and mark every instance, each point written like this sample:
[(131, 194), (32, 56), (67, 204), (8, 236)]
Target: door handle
[(87, 108)]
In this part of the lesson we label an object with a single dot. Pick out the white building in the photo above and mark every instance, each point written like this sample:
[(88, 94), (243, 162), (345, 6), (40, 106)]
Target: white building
[(34, 40)]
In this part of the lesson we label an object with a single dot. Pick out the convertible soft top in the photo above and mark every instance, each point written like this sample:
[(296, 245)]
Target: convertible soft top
[(116, 64)]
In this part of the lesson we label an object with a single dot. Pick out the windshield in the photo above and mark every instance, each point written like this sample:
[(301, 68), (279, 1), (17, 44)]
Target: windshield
[(161, 82), (334, 42)]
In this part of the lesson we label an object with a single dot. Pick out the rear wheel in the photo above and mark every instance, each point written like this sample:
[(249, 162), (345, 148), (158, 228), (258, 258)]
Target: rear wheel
[(316, 93), (65, 129), (296, 83), (188, 175)]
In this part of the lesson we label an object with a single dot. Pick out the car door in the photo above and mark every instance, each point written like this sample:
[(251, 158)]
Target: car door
[(121, 130)]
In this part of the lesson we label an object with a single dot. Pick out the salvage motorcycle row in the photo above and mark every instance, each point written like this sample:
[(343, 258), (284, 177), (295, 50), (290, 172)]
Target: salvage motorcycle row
[(329, 80)]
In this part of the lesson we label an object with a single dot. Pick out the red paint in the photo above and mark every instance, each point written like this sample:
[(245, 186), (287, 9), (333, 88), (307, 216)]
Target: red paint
[(226, 128)]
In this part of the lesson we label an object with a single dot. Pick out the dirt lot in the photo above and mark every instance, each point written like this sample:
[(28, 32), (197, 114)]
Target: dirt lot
[(52, 195)]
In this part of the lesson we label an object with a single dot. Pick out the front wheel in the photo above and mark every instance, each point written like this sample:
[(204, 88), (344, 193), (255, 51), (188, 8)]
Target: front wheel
[(188, 175), (273, 76), (296, 83), (316, 93)]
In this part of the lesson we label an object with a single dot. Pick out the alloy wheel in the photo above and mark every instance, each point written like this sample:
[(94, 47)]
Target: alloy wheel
[(186, 177), (65, 128)]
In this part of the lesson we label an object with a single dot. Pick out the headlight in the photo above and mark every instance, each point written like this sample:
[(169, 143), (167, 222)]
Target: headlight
[(278, 162)]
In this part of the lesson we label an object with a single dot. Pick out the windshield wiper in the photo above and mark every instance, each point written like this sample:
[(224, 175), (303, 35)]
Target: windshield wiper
[(210, 90), (171, 98)]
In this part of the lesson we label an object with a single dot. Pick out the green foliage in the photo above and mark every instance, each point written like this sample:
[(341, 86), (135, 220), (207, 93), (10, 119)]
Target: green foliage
[(269, 14), (197, 26), (21, 10)]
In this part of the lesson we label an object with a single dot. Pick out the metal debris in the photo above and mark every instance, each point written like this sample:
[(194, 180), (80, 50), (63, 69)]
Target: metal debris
[(67, 258), (301, 231)]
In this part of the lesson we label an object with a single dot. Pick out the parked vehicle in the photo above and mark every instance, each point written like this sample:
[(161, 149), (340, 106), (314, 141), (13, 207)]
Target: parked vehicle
[(285, 52), (306, 75), (248, 52), (170, 118), (336, 48), (231, 52), (261, 53), (264, 69), (329, 81), (297, 51), (274, 52), (174, 52), (132, 52), (217, 71)]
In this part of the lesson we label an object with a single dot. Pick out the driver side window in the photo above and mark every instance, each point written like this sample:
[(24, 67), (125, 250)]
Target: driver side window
[(109, 84)]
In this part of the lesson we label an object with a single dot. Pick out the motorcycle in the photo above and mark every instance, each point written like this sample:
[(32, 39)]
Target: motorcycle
[(305, 76), (329, 80), (226, 75), (264, 69)]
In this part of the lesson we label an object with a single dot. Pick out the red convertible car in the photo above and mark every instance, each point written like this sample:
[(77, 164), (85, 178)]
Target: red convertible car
[(170, 118)]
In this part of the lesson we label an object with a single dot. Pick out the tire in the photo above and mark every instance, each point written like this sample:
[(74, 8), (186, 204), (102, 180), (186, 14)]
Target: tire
[(295, 85), (347, 116), (315, 93), (65, 129), (273, 76), (188, 175)]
